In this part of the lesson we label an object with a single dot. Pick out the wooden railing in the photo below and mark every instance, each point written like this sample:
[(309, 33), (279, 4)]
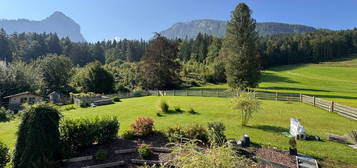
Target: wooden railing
[(346, 111)]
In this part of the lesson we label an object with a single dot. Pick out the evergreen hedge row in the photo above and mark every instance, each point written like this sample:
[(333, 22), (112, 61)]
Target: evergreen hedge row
[(82, 133)]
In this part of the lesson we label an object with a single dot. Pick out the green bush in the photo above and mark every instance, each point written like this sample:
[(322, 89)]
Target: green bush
[(216, 133), (176, 134), (78, 134), (144, 151), (3, 115), (84, 104), (182, 134), (101, 155), (128, 134), (4, 155), (164, 106), (38, 137), (116, 99), (197, 132)]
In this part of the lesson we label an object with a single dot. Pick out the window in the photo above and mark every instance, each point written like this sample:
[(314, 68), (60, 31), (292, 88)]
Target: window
[(23, 100), (31, 100)]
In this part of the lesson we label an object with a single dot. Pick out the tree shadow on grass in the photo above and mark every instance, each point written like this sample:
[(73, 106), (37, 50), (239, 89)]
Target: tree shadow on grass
[(269, 128), (294, 89), (270, 77)]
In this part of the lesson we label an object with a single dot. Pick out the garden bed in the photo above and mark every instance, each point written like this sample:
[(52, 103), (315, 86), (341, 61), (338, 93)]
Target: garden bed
[(123, 151)]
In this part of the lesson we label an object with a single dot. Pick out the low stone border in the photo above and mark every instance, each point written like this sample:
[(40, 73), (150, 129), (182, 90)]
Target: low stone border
[(123, 151), (78, 159), (161, 150), (118, 163), (268, 162), (141, 162)]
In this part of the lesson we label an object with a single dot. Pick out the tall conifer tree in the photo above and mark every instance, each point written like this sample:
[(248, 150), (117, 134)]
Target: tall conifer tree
[(239, 49)]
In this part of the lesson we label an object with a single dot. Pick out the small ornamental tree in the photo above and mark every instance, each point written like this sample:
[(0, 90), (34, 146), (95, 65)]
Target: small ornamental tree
[(38, 138), (247, 104)]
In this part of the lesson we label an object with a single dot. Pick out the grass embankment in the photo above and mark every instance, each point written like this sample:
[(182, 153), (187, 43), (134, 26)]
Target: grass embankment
[(335, 81), (265, 128)]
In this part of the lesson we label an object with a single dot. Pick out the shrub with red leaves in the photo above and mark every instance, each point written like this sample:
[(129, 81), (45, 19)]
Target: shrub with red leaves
[(143, 126)]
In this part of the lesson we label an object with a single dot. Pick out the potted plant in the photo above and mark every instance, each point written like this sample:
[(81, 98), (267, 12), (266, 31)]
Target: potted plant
[(292, 148)]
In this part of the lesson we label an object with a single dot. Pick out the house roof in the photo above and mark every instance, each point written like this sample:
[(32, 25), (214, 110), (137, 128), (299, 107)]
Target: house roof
[(20, 94)]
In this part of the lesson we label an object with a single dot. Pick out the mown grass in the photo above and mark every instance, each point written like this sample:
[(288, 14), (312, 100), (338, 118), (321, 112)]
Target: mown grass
[(265, 128), (335, 81)]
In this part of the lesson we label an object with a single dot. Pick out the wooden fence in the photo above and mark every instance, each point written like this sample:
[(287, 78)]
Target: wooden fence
[(346, 111)]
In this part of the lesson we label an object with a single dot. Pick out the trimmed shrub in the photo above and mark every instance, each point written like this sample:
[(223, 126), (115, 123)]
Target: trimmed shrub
[(182, 134), (143, 126), (4, 155), (144, 151), (216, 133), (82, 133), (116, 99), (38, 138), (164, 106), (101, 155)]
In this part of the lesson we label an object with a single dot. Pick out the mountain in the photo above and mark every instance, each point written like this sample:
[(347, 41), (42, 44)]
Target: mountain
[(56, 23), (218, 27)]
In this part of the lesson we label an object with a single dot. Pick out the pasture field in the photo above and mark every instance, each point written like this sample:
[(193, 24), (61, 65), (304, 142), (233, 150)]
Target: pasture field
[(335, 81), (265, 128)]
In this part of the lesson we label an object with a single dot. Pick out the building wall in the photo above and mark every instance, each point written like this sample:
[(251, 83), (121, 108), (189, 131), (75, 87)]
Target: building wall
[(17, 99)]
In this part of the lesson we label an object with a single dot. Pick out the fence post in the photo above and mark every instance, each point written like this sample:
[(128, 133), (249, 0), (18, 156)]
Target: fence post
[(276, 95), (201, 92), (217, 92), (174, 92), (300, 97), (186, 92), (332, 106), (314, 100)]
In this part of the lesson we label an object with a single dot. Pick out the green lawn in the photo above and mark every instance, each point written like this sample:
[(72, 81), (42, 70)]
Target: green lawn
[(335, 81), (265, 128)]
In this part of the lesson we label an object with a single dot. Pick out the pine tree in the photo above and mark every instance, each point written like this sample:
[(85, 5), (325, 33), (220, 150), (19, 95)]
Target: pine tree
[(239, 48), (159, 69)]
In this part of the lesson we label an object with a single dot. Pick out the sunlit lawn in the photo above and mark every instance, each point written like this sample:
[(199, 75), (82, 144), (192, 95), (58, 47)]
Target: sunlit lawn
[(265, 128), (335, 81)]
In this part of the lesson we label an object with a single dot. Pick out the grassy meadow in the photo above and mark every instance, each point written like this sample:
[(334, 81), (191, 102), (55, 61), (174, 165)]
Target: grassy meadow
[(335, 80), (265, 128)]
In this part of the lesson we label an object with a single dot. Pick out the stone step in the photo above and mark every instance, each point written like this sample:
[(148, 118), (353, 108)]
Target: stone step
[(141, 162), (106, 165), (306, 165)]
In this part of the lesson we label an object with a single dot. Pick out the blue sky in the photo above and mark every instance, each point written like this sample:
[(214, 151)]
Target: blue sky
[(135, 19)]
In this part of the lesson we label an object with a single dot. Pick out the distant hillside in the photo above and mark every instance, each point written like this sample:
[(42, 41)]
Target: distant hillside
[(56, 23), (218, 27)]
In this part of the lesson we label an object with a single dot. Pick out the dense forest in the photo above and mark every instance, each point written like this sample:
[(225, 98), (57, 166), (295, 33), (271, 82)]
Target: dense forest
[(29, 59)]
